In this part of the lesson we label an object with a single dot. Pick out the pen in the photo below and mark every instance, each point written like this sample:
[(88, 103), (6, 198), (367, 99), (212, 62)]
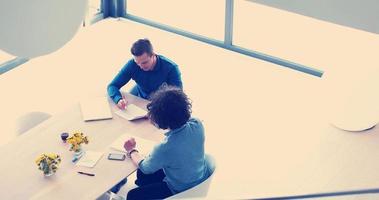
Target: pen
[(88, 174), (75, 159)]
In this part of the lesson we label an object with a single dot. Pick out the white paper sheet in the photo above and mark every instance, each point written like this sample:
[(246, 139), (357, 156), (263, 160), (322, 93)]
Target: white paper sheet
[(89, 159), (142, 145), (132, 112)]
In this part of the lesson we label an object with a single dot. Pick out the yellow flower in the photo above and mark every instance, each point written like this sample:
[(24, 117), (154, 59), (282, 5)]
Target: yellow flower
[(47, 161), (76, 140)]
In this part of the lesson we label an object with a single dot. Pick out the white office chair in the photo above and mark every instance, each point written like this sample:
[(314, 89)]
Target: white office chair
[(195, 192), (110, 196), (30, 120), (201, 190)]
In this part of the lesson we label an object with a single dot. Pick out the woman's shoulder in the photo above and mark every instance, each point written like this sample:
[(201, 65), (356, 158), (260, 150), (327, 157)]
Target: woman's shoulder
[(195, 122), (192, 125)]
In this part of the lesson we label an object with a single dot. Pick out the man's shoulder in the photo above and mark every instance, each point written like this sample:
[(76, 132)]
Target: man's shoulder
[(130, 66), (166, 61)]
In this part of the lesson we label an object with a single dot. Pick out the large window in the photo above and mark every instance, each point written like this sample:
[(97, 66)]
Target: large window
[(93, 7), (4, 57), (8, 61), (201, 17), (280, 33), (309, 36), (94, 12), (5, 60), (241, 26)]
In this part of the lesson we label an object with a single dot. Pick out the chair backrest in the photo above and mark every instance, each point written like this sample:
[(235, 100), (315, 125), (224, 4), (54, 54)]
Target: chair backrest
[(200, 190), (30, 120)]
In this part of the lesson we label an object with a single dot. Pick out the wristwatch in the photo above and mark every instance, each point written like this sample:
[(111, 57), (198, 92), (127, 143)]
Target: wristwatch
[(129, 154)]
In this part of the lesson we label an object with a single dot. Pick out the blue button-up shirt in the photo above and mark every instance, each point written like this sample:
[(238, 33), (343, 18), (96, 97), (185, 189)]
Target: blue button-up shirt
[(181, 156)]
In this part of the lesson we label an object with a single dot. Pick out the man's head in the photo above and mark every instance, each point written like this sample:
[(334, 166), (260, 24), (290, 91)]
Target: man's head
[(170, 108), (143, 53)]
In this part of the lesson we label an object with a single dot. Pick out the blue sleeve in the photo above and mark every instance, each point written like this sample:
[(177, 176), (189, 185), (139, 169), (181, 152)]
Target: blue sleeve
[(154, 162), (119, 81), (174, 77)]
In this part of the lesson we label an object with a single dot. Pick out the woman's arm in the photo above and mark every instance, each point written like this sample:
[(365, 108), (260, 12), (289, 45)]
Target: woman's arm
[(152, 163), (136, 157), (133, 153)]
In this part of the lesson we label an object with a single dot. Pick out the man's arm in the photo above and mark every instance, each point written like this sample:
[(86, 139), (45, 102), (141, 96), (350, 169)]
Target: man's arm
[(119, 81)]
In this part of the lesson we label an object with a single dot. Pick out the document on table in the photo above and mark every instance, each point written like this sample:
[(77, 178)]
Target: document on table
[(144, 146), (89, 159), (95, 109), (132, 112)]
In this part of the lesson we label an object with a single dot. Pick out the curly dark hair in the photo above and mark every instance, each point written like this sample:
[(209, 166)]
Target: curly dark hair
[(142, 46), (169, 108)]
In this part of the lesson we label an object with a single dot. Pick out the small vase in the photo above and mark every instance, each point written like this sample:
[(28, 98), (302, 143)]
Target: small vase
[(49, 171), (49, 174)]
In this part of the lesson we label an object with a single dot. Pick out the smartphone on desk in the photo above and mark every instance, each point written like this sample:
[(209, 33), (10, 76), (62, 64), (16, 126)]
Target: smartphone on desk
[(116, 156)]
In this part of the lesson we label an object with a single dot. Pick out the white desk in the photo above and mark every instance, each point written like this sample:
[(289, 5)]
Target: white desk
[(21, 179)]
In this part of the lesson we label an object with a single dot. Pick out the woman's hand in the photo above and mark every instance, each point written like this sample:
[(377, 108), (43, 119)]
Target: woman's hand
[(130, 144)]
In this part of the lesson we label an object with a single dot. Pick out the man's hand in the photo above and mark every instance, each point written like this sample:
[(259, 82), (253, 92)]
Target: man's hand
[(122, 103), (130, 144)]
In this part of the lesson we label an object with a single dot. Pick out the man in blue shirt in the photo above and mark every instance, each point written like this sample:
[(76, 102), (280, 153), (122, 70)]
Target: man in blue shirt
[(179, 162), (148, 70)]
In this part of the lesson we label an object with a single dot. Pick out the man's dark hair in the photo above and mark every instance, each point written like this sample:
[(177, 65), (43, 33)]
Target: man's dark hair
[(169, 108), (142, 46)]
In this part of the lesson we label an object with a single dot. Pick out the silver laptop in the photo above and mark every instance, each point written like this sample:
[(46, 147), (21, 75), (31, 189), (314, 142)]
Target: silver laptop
[(95, 109)]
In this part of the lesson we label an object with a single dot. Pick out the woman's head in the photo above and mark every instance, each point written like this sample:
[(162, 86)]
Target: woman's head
[(170, 108)]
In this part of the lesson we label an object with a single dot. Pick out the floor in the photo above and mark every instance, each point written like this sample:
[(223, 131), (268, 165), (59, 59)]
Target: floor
[(251, 109), (223, 86)]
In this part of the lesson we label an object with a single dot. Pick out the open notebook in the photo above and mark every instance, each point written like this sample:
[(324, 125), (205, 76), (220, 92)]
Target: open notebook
[(89, 159), (132, 112), (95, 109), (144, 146)]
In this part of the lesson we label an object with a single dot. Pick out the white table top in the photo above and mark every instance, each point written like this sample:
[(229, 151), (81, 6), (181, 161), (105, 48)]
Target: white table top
[(21, 178)]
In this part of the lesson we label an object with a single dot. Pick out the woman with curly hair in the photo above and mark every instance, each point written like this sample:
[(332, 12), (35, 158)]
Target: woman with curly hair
[(179, 162)]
